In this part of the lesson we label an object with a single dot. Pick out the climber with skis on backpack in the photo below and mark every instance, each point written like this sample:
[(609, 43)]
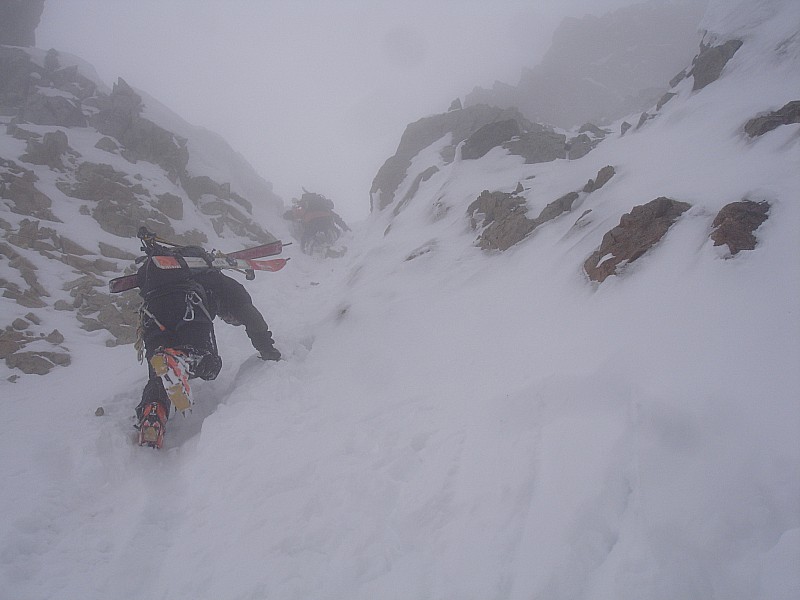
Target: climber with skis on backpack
[(177, 331), (314, 217)]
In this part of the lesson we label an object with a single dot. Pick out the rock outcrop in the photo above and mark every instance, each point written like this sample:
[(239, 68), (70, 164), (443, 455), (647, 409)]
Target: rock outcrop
[(637, 232), (788, 114), (537, 145), (458, 124), (481, 128), (708, 65), (49, 151), (604, 175), (736, 223), (120, 118), (504, 221), (488, 137)]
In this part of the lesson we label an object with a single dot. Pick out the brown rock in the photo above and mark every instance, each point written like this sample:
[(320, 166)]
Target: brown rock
[(788, 114), (637, 232), (504, 219), (735, 223), (37, 363)]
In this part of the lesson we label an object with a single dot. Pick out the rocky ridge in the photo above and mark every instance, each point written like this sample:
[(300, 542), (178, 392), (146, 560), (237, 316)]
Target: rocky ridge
[(504, 219)]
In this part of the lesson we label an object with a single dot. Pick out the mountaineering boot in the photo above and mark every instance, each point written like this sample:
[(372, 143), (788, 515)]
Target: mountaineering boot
[(152, 425), (172, 366)]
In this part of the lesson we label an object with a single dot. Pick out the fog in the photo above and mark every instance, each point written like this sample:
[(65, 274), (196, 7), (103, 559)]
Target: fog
[(311, 93)]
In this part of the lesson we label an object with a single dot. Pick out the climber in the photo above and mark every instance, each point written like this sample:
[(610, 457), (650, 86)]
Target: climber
[(177, 331), (313, 214)]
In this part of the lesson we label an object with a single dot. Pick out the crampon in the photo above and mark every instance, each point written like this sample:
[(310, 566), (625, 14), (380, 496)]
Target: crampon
[(172, 366), (152, 425)]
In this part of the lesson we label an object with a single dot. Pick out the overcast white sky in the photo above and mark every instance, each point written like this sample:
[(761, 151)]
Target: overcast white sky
[(313, 93)]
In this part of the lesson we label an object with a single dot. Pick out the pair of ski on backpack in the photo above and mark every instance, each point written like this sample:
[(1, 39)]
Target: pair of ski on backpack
[(246, 261)]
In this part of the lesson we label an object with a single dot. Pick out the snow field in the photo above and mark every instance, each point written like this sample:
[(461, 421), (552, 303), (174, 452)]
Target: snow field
[(464, 424)]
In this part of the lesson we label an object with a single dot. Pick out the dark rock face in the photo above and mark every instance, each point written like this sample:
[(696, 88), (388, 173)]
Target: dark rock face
[(538, 145), (460, 124), (49, 151), (16, 71), (589, 136), (481, 128), (488, 137), (424, 176), (119, 117), (171, 205), (580, 146), (664, 99), (604, 175), (45, 96), (43, 109), (556, 208), (709, 63), (735, 223), (637, 232), (19, 20), (788, 114)]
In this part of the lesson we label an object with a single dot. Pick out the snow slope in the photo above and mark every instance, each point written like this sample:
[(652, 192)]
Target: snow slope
[(450, 423)]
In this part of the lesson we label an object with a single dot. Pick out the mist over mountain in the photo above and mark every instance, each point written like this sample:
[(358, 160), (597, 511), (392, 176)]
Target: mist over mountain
[(555, 362), (599, 69)]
